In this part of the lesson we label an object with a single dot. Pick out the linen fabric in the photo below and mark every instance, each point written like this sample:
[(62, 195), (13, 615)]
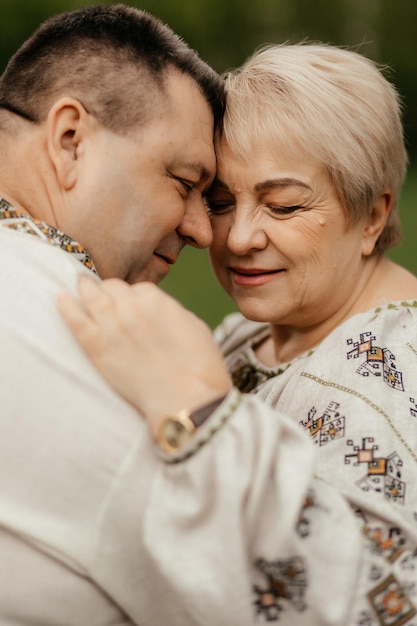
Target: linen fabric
[(70, 448), (98, 527)]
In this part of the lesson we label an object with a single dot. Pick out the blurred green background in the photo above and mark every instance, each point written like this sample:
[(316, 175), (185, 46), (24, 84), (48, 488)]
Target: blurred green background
[(225, 33)]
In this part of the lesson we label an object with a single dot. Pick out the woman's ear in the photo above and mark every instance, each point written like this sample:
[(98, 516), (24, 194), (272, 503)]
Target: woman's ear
[(375, 222), (67, 125)]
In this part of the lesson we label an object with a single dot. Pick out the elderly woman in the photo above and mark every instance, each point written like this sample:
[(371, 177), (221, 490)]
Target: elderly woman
[(303, 208), (251, 518)]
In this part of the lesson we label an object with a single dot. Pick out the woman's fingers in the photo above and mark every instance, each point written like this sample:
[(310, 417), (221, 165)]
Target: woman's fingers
[(77, 319), (93, 318), (156, 354)]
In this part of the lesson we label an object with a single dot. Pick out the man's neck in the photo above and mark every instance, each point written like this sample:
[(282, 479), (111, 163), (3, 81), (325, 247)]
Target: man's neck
[(29, 188)]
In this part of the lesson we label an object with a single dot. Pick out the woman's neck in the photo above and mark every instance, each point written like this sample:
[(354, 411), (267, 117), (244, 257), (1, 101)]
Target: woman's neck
[(383, 282)]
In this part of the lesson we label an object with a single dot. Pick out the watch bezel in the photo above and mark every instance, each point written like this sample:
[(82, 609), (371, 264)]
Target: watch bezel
[(182, 427)]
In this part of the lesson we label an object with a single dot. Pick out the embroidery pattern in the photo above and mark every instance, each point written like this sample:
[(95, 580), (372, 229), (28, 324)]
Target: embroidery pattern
[(246, 377), (302, 526), (413, 407), (286, 581), (360, 396), (327, 427), (389, 599), (378, 361), (388, 542), (15, 220), (383, 473), (391, 604)]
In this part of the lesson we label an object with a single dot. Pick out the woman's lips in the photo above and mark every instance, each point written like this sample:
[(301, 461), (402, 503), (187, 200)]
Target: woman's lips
[(252, 277)]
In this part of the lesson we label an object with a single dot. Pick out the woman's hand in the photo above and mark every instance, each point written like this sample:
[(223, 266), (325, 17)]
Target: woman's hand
[(160, 357)]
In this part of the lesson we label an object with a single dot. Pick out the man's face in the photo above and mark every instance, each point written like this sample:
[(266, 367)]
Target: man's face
[(141, 193)]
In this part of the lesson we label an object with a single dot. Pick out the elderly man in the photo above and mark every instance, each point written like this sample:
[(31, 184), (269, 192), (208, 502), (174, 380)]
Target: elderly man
[(106, 122)]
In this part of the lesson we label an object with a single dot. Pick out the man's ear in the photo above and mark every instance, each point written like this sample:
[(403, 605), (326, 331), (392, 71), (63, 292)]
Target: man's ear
[(67, 125), (375, 222)]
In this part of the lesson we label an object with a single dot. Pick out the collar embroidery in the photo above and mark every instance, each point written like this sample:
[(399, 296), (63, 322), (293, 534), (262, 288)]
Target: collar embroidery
[(16, 220)]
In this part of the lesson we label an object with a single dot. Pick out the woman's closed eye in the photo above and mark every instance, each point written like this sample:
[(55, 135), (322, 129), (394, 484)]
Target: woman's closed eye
[(284, 211)]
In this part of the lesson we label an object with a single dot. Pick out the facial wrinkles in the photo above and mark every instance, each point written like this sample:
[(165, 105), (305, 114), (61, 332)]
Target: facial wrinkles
[(315, 246), (258, 185), (265, 187)]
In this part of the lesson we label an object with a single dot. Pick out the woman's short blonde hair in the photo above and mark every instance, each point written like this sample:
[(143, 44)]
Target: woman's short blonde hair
[(332, 105)]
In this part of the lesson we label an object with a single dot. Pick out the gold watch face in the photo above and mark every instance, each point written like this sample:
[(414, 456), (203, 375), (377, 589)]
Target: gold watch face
[(174, 432)]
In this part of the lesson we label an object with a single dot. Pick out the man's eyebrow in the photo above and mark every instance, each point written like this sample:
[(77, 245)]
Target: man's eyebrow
[(281, 182), (197, 167)]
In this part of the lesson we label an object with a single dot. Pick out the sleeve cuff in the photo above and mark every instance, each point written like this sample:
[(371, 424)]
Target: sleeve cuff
[(211, 424)]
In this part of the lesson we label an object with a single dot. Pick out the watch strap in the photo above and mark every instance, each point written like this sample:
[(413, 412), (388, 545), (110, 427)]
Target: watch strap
[(199, 416), (175, 431)]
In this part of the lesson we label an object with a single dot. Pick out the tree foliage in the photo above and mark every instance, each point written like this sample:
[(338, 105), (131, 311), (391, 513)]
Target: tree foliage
[(225, 32)]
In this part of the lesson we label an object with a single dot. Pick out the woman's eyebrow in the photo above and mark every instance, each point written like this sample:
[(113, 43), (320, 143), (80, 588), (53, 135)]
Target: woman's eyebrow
[(281, 182)]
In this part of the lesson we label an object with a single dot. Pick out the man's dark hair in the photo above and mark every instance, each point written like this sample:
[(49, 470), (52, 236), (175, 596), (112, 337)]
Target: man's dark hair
[(112, 58)]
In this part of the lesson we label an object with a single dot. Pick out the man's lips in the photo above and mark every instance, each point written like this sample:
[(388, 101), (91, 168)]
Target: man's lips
[(162, 266), (168, 259), (252, 276)]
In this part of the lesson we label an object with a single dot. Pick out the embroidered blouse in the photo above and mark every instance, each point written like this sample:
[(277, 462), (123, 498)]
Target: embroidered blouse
[(355, 395)]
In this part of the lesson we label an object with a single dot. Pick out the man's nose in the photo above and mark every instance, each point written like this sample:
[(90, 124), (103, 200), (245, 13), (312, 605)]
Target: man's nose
[(195, 227)]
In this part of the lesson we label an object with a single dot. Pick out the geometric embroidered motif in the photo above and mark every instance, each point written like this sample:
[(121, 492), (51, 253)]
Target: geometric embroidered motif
[(378, 361), (327, 427), (388, 542), (302, 526), (413, 407), (383, 473), (13, 219), (390, 603), (286, 581)]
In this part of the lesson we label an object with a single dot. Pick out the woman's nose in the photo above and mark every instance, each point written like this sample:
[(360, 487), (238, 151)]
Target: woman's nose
[(246, 233)]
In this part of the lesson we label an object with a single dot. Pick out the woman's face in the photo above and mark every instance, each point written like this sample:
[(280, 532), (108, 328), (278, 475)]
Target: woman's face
[(282, 248)]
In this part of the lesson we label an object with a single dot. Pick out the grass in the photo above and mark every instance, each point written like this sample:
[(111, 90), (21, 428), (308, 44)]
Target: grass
[(192, 282)]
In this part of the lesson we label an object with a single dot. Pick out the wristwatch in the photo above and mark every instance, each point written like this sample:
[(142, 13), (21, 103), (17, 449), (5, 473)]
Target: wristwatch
[(176, 430)]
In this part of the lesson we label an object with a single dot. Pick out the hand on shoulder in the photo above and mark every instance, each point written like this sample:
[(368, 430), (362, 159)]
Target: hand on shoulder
[(160, 357)]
